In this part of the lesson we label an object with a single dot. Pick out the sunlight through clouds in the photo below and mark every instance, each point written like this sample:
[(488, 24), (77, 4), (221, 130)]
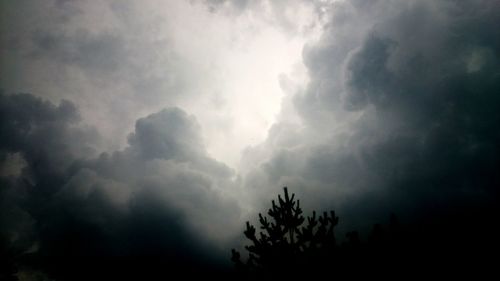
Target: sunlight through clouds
[(240, 59), (140, 136)]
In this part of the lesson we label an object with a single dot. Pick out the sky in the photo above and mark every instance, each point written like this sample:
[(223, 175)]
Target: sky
[(139, 128)]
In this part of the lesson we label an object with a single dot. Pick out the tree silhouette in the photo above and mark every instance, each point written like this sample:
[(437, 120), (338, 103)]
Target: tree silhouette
[(288, 243), (289, 246)]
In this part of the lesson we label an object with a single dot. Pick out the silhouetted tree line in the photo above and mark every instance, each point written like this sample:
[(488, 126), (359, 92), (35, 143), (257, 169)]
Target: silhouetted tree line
[(291, 246)]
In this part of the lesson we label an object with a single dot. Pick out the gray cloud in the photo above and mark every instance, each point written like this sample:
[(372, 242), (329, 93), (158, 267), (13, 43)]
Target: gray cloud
[(45, 135), (400, 113), (73, 50), (120, 60), (177, 138), (160, 199), (100, 53), (172, 134)]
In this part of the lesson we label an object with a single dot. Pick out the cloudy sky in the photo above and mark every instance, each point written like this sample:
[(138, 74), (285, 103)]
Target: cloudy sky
[(132, 128)]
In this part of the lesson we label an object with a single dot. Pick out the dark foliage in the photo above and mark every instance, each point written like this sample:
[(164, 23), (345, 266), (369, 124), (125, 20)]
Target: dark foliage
[(292, 247), (285, 243)]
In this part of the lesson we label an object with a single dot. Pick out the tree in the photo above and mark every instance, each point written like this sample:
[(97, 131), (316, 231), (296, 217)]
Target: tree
[(288, 244)]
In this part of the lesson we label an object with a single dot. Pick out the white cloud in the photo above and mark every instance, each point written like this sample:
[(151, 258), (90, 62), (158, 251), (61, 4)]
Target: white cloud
[(122, 60)]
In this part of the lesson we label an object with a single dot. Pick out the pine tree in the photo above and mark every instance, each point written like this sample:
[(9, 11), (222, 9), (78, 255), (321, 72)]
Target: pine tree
[(288, 244)]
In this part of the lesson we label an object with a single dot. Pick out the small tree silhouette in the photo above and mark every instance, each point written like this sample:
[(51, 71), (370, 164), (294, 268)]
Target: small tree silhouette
[(286, 246)]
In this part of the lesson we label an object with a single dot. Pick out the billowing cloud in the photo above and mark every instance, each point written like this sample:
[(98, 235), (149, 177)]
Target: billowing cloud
[(160, 199), (393, 108), (140, 58), (399, 115)]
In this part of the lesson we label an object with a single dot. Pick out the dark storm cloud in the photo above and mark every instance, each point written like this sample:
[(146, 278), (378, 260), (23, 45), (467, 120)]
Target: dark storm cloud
[(171, 134), (78, 50), (44, 138), (401, 111), (158, 201), (401, 114), (45, 135)]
